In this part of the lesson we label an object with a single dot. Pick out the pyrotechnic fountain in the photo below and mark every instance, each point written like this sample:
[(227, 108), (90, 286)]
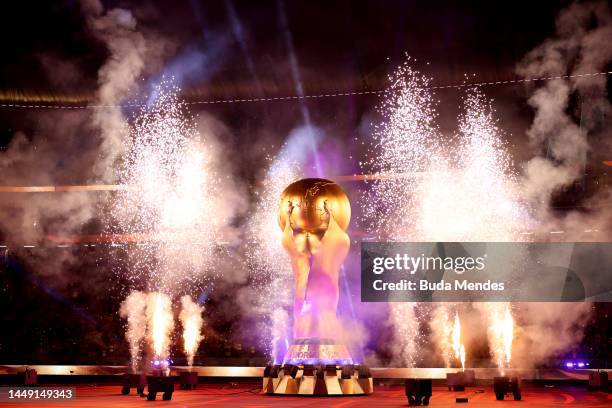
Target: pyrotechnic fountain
[(442, 333), (501, 333), (173, 182), (149, 316), (170, 171), (429, 192), (447, 336), (404, 146), (458, 346), (192, 321), (133, 309), (160, 323), (508, 334), (313, 216)]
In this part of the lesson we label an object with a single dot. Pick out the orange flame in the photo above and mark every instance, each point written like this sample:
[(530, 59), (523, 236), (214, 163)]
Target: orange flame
[(508, 334), (458, 347)]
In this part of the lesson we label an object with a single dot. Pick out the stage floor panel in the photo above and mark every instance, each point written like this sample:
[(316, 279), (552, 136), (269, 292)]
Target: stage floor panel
[(246, 395)]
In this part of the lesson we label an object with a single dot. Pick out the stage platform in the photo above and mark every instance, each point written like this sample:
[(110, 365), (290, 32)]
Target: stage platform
[(257, 372), (247, 395)]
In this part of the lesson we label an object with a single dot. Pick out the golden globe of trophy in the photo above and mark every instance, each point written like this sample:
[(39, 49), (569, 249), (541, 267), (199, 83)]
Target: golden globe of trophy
[(314, 215)]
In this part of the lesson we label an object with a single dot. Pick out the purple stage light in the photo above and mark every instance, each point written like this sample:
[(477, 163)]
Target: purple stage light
[(162, 363), (577, 364)]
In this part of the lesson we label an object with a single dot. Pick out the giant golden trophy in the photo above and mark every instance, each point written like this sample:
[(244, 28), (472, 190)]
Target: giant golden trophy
[(314, 215)]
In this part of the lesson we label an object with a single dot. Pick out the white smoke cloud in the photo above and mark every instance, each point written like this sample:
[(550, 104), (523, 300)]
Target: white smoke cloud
[(131, 54), (192, 322), (572, 138), (133, 309), (580, 46), (545, 330), (40, 157)]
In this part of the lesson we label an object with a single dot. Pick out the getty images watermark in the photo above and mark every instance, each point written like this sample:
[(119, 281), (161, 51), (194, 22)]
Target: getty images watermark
[(485, 272)]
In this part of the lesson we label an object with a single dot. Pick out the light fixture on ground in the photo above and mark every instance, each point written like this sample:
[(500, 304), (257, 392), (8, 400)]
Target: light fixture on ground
[(507, 385)]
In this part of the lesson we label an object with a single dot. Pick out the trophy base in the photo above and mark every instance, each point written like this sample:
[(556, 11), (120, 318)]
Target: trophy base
[(320, 380), (317, 367), (317, 351)]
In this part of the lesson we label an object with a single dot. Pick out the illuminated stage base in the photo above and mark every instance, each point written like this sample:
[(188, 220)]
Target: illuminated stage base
[(317, 367), (317, 351), (317, 380)]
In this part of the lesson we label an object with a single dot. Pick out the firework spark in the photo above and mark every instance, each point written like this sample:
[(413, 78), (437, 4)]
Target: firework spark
[(174, 195), (490, 185), (192, 321), (439, 204), (406, 325), (405, 142), (269, 263), (481, 177), (500, 332), (472, 170), (442, 332)]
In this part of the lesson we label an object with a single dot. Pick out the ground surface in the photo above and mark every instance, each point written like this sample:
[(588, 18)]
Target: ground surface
[(244, 395)]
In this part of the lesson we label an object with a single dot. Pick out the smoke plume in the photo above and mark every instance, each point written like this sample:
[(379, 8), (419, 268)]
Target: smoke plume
[(133, 309), (38, 157), (192, 322), (570, 130), (129, 54), (546, 330), (567, 133)]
